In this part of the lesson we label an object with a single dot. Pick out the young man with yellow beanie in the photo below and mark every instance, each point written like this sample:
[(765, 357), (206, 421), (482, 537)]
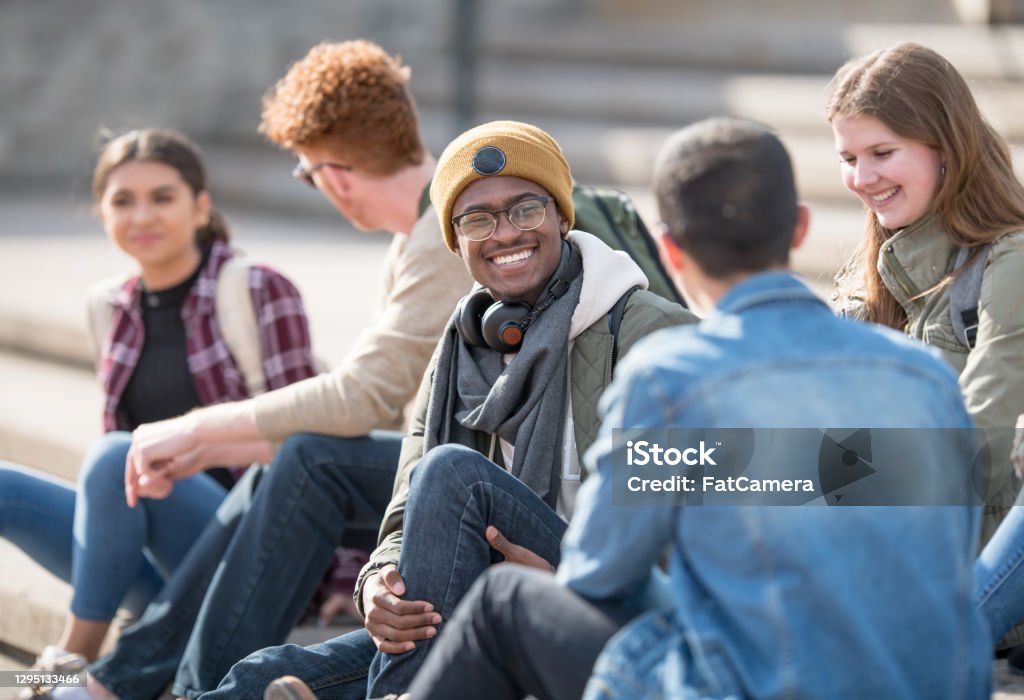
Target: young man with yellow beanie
[(491, 466)]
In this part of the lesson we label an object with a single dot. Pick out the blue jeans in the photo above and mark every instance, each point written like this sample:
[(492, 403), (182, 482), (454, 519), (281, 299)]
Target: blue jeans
[(455, 493), (253, 570), (999, 576), (111, 554), (334, 670)]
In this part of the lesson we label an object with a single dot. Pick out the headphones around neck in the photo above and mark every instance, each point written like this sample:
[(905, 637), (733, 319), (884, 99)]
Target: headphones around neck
[(501, 325)]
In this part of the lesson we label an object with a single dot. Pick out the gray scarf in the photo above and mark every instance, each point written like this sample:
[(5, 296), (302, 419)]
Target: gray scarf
[(523, 403)]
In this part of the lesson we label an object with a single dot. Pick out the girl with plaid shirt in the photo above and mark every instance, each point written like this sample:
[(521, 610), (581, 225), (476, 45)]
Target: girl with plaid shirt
[(164, 356)]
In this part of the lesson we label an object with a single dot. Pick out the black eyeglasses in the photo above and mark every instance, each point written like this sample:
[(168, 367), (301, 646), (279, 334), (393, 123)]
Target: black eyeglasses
[(525, 215), (304, 173)]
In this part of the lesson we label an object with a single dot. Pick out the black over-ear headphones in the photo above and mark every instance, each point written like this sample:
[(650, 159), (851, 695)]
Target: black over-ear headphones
[(500, 325)]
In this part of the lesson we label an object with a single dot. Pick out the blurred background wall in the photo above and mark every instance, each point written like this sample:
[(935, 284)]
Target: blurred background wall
[(607, 77)]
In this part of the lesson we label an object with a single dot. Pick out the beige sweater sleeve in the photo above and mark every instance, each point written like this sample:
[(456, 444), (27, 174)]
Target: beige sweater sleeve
[(379, 377)]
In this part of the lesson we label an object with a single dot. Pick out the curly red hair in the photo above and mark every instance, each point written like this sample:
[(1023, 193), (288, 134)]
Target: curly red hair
[(353, 94)]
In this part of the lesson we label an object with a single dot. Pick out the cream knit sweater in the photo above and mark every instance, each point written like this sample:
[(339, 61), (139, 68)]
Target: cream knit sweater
[(379, 377)]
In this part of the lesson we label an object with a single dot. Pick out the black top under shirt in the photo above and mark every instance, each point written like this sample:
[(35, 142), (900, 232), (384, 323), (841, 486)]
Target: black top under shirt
[(161, 386)]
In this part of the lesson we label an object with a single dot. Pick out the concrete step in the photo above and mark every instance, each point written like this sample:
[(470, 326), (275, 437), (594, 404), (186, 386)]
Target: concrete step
[(34, 602), (609, 90), (673, 93), (50, 414), (756, 41), (740, 11)]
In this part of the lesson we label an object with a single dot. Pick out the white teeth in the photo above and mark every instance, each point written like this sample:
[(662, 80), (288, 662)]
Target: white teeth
[(515, 257), (884, 195)]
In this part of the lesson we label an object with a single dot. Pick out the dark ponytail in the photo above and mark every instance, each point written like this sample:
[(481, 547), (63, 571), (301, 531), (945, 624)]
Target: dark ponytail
[(216, 229)]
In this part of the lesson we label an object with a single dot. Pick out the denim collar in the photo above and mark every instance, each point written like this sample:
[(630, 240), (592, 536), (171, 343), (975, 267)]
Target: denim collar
[(765, 288)]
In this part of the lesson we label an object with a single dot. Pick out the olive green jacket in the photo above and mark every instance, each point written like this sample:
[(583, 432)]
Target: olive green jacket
[(590, 373), (916, 259)]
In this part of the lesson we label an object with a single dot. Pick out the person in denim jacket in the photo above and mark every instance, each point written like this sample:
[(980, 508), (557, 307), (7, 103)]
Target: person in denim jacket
[(783, 601)]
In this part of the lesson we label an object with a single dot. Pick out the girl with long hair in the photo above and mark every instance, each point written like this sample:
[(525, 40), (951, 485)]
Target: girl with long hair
[(942, 204), (940, 196)]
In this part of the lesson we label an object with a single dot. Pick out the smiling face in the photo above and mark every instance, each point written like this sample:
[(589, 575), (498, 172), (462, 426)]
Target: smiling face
[(151, 214), (512, 264), (895, 177)]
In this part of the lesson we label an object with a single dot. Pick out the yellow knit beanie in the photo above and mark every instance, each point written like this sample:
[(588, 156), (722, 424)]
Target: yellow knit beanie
[(502, 148)]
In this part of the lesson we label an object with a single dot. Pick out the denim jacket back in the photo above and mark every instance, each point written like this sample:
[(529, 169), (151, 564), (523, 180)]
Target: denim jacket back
[(784, 601)]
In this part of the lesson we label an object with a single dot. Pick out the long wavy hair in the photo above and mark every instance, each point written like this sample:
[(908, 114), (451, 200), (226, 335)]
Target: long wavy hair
[(919, 95), (171, 148)]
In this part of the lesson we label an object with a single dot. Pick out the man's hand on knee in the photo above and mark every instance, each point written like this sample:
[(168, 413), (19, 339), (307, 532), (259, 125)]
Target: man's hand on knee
[(395, 624), (514, 553)]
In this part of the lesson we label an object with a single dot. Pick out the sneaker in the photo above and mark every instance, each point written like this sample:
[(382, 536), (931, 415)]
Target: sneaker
[(54, 660), (288, 688)]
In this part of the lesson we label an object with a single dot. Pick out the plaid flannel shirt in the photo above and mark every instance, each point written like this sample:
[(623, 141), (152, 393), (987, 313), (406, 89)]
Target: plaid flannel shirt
[(283, 331)]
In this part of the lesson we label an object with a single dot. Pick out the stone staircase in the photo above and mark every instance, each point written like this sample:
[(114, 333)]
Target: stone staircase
[(609, 86)]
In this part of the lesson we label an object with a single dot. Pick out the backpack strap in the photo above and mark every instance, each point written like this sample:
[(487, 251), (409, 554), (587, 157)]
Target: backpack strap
[(236, 320), (421, 206), (233, 307), (964, 293), (100, 304), (614, 322), (607, 214), (642, 234)]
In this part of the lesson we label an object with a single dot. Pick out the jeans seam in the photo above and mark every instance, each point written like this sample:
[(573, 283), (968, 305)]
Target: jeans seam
[(337, 679), (1001, 575)]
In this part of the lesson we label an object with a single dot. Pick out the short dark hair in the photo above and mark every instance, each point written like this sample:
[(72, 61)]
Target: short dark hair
[(726, 194)]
